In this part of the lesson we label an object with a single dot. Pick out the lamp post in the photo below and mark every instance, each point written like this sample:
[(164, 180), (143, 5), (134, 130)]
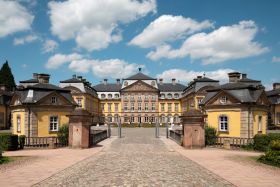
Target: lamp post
[(119, 128)]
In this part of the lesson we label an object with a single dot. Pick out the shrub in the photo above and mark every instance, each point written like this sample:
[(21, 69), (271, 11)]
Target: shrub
[(262, 141), (271, 157), (21, 141), (274, 145), (63, 134), (210, 135), (9, 142)]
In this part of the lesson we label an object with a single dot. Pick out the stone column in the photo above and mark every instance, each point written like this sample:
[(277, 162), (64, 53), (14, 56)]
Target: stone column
[(193, 129), (80, 121)]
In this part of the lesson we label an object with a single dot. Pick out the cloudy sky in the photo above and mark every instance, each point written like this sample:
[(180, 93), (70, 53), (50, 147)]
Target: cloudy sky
[(168, 38)]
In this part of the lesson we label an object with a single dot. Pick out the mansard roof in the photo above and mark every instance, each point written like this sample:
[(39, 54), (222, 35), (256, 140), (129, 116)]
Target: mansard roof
[(170, 87), (273, 92), (72, 80), (140, 76), (108, 87), (30, 81)]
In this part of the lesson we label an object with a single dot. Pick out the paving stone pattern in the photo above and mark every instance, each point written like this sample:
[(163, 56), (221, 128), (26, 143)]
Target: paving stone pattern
[(137, 159)]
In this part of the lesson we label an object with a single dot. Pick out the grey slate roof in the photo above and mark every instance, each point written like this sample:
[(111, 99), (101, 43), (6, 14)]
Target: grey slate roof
[(72, 80), (42, 90), (109, 87), (248, 80), (232, 86), (273, 92), (139, 76), (169, 87), (30, 81)]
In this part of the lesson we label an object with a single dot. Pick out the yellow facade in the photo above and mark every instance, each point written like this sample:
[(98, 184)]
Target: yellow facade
[(234, 121), (44, 122), (276, 114), (263, 124), (15, 116)]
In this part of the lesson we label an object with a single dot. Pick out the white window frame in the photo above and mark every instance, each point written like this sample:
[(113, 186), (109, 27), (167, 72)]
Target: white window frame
[(18, 123), (110, 96), (125, 107), (132, 108), (116, 107), (53, 100), (223, 99), (53, 124), (259, 123), (176, 107), (146, 119), (153, 107), (162, 107), (223, 124), (146, 107), (139, 106)]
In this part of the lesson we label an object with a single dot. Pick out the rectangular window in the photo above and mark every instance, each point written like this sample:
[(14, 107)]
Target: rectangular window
[(102, 107), (153, 97), (125, 97), (176, 107), (132, 107), (139, 119), (116, 107), (53, 123), (223, 123), (125, 119), (125, 108), (169, 107), (260, 123), (162, 107), (139, 98), (53, 100), (109, 107), (132, 119), (153, 107), (139, 107), (278, 117), (146, 107), (146, 119), (18, 124), (146, 97), (79, 102)]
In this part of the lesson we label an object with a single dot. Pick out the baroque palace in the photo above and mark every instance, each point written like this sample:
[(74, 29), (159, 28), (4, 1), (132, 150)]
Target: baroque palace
[(239, 108)]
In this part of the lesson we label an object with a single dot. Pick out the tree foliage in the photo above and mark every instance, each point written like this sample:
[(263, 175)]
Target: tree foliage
[(6, 76)]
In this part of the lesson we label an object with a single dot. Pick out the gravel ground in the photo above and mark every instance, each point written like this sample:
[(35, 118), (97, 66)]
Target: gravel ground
[(137, 159)]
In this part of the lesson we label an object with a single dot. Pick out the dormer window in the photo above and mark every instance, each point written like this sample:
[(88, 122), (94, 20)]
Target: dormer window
[(103, 96), (176, 96), (116, 96), (223, 100), (153, 83), (110, 96), (54, 100), (162, 96), (169, 96)]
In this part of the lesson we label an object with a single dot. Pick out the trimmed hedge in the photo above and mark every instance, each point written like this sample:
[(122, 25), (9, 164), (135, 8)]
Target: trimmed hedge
[(8, 142), (262, 141), (210, 135)]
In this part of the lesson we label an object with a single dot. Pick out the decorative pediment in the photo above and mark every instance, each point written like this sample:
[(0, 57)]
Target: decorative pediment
[(16, 100), (263, 100), (223, 98), (140, 86), (55, 99)]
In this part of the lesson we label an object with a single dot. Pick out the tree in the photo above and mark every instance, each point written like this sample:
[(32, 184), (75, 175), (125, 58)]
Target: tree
[(6, 76)]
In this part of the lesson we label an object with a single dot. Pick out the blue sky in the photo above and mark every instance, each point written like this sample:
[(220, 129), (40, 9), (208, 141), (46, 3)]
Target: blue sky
[(167, 38)]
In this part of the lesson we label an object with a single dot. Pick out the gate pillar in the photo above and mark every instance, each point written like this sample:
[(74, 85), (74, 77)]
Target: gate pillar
[(80, 122), (193, 129)]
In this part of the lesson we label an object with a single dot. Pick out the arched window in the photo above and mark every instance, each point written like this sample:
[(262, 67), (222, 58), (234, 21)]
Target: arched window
[(110, 96), (162, 96), (223, 100), (176, 96), (169, 96), (103, 96), (223, 123), (116, 96)]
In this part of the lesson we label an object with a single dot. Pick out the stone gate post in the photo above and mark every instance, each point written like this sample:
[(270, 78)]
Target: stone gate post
[(80, 122), (193, 129)]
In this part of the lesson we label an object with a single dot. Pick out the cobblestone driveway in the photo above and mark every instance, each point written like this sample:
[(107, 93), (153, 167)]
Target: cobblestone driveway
[(137, 159)]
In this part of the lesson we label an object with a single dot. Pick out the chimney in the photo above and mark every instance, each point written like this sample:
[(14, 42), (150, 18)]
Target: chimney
[(276, 85), (118, 81), (199, 77), (139, 69), (84, 80), (105, 81), (43, 78), (35, 76), (74, 76), (80, 78), (161, 81), (244, 75), (173, 81), (234, 77)]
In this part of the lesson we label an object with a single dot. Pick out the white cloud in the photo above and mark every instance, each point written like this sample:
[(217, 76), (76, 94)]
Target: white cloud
[(14, 18), (25, 39), (168, 28), (187, 76), (95, 24), (57, 60), (111, 68), (275, 59), (226, 43), (49, 46)]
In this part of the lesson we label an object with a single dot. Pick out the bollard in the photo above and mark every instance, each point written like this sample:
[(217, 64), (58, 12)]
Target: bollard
[(227, 143), (109, 130), (167, 130)]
